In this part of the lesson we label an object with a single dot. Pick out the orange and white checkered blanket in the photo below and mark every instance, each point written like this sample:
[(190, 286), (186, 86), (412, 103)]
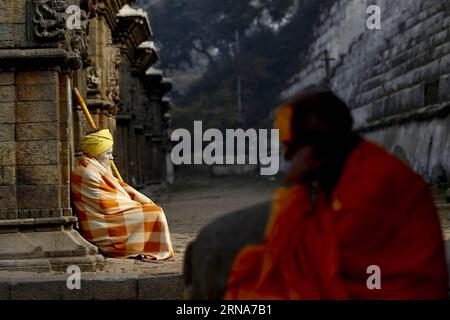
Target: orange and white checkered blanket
[(119, 220)]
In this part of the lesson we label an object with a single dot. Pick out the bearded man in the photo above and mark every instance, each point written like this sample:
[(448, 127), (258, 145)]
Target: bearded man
[(119, 220)]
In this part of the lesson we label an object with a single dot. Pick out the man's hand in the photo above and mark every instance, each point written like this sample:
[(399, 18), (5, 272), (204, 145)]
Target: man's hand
[(304, 166)]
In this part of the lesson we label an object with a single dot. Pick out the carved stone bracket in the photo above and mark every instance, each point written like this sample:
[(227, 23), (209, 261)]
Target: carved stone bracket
[(144, 58), (107, 9), (131, 31), (78, 42), (113, 86)]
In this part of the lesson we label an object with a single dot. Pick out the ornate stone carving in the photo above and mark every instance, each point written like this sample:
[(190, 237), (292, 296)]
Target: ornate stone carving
[(94, 80), (113, 87), (78, 45), (92, 5), (6, 44), (49, 20)]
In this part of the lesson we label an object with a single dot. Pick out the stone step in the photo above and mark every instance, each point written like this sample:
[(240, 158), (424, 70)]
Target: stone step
[(121, 286)]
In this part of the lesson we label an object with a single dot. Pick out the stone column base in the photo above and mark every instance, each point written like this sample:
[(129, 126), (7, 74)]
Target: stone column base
[(43, 251)]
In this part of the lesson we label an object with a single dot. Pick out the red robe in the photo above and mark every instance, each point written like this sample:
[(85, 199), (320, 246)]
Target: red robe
[(381, 214)]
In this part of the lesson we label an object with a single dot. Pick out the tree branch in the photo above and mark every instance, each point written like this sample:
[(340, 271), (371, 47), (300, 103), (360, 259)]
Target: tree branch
[(203, 51)]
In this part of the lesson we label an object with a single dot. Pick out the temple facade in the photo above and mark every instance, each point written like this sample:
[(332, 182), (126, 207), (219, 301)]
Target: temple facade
[(48, 48)]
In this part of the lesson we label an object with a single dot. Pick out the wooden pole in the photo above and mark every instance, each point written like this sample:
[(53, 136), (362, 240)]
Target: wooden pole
[(93, 126)]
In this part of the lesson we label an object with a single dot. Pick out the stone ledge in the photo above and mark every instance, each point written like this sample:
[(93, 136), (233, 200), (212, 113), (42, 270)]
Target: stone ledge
[(38, 221), (126, 286), (160, 287), (423, 114), (45, 56)]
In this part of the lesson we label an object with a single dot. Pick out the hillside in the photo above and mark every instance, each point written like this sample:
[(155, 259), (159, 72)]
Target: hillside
[(213, 47)]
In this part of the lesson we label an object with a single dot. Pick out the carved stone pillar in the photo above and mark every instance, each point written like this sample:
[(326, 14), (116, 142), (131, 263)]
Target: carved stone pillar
[(102, 80), (131, 35), (167, 124), (157, 86), (37, 60)]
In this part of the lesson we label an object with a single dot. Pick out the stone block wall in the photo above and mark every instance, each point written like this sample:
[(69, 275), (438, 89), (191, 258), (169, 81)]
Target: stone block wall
[(12, 23), (396, 79), (38, 58), (34, 143), (7, 145)]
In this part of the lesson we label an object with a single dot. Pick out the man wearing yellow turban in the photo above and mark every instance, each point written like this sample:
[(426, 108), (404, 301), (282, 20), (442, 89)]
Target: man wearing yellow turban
[(96, 143), (119, 220)]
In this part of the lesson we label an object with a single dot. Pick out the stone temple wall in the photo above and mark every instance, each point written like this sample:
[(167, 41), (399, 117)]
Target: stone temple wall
[(396, 79)]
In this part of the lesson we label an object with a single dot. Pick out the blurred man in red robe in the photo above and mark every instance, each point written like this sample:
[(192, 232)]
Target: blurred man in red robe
[(354, 223)]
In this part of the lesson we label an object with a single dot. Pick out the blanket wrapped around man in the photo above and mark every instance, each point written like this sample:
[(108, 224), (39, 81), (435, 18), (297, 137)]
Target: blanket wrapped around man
[(119, 220)]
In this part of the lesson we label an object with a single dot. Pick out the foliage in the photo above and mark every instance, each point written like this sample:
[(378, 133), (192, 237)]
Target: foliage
[(268, 56)]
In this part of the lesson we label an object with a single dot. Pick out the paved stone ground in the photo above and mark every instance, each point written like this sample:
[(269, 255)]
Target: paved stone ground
[(194, 201), (190, 204)]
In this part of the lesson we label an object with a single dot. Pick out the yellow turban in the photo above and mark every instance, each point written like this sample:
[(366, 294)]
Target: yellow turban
[(95, 144), (283, 119)]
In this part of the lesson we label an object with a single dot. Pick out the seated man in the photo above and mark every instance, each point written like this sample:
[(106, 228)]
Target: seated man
[(354, 222), (119, 220)]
